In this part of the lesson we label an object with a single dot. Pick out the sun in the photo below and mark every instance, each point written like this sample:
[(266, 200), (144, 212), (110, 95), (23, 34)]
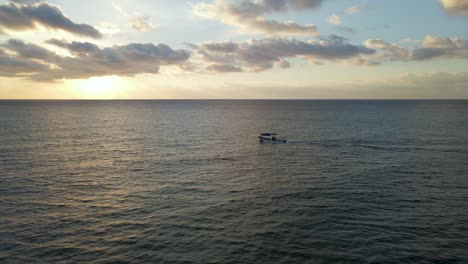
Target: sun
[(105, 87)]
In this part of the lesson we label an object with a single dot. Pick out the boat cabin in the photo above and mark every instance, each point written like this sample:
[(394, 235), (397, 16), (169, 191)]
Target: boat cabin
[(271, 138)]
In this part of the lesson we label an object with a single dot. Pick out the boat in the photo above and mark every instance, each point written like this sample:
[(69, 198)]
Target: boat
[(271, 138)]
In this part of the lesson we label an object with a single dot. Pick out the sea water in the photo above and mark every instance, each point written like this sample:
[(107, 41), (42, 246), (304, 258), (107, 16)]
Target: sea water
[(189, 182)]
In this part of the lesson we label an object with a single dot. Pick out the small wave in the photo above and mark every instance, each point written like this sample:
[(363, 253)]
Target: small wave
[(407, 149)]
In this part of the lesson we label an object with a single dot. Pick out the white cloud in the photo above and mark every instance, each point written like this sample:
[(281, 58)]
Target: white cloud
[(387, 50), (250, 15), (438, 47), (141, 23), (433, 47), (334, 19), (455, 7), (353, 10), (137, 22)]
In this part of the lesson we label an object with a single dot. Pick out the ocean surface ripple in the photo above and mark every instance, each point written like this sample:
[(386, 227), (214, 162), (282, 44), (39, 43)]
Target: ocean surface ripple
[(188, 182)]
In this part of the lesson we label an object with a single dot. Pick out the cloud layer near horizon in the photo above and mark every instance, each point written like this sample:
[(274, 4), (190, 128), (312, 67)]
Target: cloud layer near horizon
[(440, 85), (86, 59)]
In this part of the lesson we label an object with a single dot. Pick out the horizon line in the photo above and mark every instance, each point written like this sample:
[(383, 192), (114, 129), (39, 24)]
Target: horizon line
[(252, 99)]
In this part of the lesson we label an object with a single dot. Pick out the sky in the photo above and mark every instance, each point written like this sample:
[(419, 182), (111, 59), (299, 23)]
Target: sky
[(226, 49)]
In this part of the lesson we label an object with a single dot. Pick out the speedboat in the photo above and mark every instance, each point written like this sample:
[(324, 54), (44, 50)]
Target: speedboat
[(271, 138)]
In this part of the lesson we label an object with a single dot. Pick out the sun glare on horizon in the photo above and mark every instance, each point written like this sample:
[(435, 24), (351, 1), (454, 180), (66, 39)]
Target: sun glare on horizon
[(105, 87)]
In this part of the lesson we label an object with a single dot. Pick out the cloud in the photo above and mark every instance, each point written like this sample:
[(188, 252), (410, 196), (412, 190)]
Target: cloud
[(141, 23), (26, 60), (455, 7), (439, 47), (275, 27), (263, 54), (284, 64), (17, 67), (433, 47), (223, 68), (251, 15), (137, 22), (259, 55), (87, 60), (75, 48), (15, 17), (27, 51), (353, 10), (334, 20), (26, 2), (388, 51)]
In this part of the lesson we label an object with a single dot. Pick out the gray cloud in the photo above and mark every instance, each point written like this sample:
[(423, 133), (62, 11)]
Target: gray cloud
[(85, 59), (223, 68), (260, 55), (15, 17), (427, 53), (455, 7), (26, 2), (28, 50), (251, 15), (76, 48), (299, 4), (17, 67), (88, 60), (25, 62)]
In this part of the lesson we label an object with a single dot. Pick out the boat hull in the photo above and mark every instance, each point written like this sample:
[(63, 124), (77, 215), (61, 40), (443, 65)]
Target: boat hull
[(270, 141)]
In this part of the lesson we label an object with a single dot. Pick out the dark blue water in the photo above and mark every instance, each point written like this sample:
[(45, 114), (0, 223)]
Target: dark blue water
[(188, 182)]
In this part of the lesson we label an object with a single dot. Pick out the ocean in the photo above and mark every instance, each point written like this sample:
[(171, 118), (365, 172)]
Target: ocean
[(188, 181)]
